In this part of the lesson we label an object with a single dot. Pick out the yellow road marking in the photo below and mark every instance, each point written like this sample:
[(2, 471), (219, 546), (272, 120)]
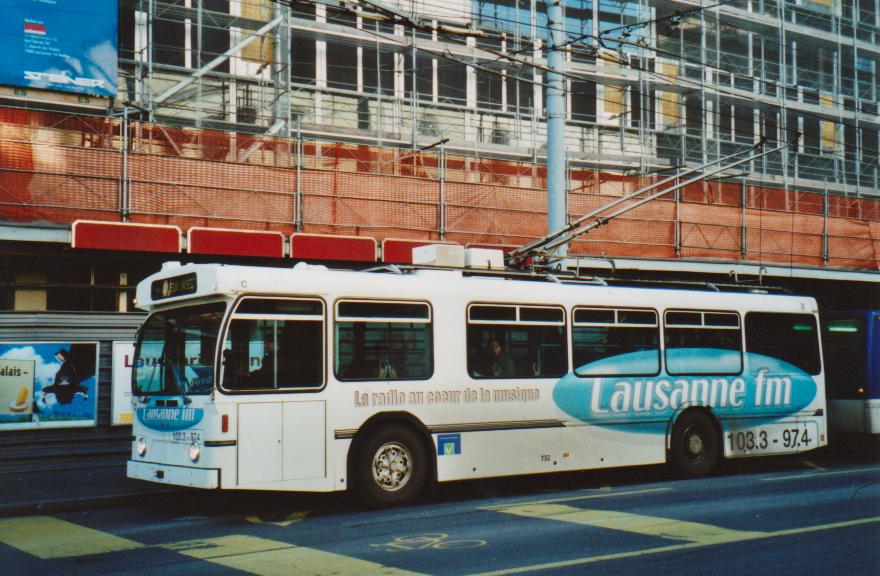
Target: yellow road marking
[(602, 494), (815, 474), (636, 523), (46, 537), (673, 548), (291, 518), (271, 558)]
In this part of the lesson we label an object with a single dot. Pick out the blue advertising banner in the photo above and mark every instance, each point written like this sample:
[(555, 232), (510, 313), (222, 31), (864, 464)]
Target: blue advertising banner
[(66, 45), (767, 390), (48, 384)]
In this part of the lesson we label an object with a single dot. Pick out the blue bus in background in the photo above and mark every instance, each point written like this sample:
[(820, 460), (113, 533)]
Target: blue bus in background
[(851, 345)]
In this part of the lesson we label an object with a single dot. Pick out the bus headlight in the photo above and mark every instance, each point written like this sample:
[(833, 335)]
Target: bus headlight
[(194, 452), (141, 447)]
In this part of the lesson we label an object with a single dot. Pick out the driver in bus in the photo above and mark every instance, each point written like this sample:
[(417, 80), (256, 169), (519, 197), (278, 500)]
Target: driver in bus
[(264, 376)]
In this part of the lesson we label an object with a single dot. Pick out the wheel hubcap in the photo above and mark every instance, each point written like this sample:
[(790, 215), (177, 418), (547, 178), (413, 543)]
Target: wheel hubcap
[(693, 444), (392, 466)]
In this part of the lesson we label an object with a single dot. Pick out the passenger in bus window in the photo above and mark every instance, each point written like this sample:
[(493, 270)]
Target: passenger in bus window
[(501, 365), (367, 369), (384, 349), (386, 370)]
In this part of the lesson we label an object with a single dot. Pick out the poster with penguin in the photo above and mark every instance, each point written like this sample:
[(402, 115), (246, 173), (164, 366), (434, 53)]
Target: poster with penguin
[(48, 384)]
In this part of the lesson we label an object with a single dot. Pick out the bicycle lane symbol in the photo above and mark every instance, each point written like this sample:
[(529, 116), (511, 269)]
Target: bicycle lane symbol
[(436, 541)]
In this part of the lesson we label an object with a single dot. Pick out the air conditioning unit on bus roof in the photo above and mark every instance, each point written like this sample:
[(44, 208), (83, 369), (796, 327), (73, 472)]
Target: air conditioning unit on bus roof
[(487, 258), (455, 256)]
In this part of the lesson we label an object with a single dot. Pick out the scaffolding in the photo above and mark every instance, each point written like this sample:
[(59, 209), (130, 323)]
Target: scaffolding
[(57, 167), (651, 84)]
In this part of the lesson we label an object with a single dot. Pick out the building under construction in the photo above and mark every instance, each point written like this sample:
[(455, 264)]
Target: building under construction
[(350, 131)]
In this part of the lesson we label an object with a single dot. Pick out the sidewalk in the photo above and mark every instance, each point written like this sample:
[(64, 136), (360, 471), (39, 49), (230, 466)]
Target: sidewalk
[(49, 491)]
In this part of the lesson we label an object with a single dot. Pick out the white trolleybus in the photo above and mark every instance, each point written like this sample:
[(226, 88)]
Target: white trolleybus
[(387, 381)]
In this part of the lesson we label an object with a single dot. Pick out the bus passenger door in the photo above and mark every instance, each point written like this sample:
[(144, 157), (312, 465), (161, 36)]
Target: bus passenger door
[(259, 442), (280, 441), (274, 359), (304, 437)]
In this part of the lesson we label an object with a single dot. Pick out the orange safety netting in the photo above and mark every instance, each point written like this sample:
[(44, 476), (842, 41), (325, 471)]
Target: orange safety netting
[(62, 167)]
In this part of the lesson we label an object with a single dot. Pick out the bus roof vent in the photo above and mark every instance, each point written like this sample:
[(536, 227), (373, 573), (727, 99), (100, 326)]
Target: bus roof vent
[(484, 258), (448, 255), (307, 266)]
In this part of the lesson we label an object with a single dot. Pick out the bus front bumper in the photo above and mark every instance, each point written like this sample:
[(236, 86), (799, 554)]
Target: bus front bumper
[(176, 475)]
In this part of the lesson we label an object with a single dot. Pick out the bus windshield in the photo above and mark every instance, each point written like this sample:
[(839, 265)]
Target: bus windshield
[(175, 351)]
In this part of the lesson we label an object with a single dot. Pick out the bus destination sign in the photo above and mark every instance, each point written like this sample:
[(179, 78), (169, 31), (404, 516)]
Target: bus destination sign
[(176, 286)]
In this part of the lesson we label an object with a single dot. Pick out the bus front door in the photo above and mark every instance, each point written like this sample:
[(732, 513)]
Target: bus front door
[(281, 441)]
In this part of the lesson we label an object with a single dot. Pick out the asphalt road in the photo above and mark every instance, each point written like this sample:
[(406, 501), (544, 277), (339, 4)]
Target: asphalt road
[(794, 516)]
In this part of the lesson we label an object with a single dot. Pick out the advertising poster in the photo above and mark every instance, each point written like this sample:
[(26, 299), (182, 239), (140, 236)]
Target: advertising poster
[(123, 356), (48, 384), (66, 45)]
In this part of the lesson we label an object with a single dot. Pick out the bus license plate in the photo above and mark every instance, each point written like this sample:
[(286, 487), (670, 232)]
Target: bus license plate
[(187, 436)]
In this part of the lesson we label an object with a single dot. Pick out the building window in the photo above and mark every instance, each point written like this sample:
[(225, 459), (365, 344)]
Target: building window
[(744, 123), (452, 82), (342, 64), (379, 69), (583, 100), (302, 57), (69, 285)]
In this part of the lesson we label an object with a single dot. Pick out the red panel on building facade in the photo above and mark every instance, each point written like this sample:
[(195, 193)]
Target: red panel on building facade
[(125, 236), (330, 247), (226, 242), (399, 250)]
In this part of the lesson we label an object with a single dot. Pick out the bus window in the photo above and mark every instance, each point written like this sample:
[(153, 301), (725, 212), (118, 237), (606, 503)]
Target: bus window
[(789, 337), (702, 342), (176, 349), (383, 341), (511, 341), (274, 344), (844, 342), (615, 342)]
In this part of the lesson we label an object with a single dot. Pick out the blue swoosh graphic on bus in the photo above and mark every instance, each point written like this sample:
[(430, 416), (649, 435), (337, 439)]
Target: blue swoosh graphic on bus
[(767, 387), (169, 419)]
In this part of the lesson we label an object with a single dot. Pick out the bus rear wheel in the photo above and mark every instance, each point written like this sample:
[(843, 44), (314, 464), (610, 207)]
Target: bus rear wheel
[(694, 446), (391, 467)]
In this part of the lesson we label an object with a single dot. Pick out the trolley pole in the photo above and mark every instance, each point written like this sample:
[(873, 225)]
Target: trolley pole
[(556, 157)]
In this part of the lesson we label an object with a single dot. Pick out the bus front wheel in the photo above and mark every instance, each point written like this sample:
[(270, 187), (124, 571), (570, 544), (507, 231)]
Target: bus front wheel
[(694, 446), (391, 467)]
